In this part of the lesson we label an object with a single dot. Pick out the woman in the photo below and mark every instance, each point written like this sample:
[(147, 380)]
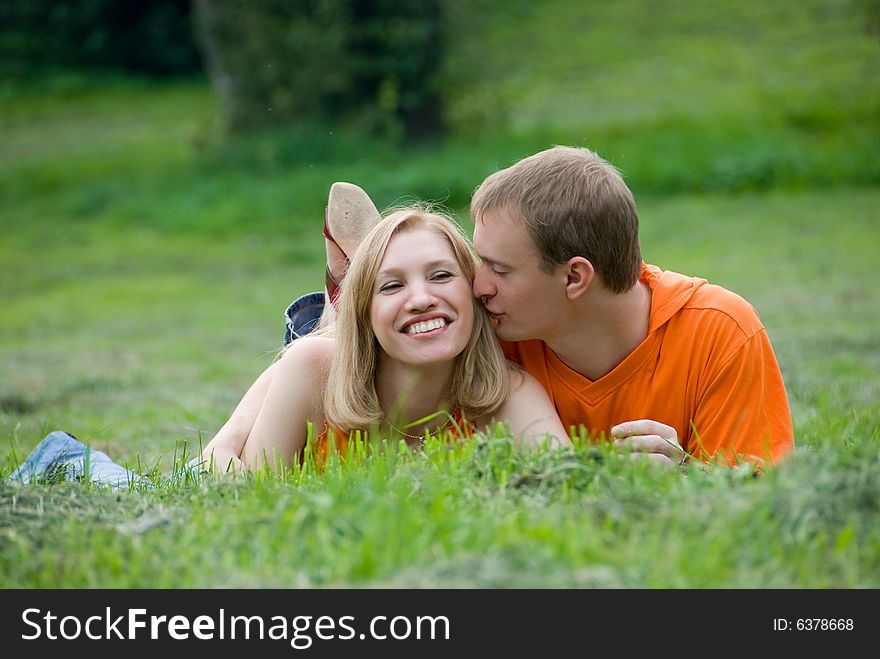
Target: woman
[(409, 341), (411, 352)]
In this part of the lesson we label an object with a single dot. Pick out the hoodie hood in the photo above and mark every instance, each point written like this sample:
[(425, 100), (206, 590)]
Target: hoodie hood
[(670, 291)]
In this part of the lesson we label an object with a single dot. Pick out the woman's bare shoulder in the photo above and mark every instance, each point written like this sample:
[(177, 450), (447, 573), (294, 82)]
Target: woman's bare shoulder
[(314, 353), (518, 377), (521, 388)]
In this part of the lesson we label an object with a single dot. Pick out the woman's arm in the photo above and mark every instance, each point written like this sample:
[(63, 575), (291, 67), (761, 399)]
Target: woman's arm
[(292, 400), (223, 452), (530, 413)]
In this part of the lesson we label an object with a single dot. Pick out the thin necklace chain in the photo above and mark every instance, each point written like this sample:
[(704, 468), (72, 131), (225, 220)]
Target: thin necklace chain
[(419, 437)]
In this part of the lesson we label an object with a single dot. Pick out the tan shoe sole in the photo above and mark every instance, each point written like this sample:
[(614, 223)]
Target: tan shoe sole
[(350, 215)]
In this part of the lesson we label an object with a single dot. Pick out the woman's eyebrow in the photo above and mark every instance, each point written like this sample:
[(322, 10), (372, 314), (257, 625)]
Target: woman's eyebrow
[(441, 263), (430, 265)]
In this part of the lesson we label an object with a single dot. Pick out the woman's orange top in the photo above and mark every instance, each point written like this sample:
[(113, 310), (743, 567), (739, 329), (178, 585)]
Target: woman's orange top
[(332, 439)]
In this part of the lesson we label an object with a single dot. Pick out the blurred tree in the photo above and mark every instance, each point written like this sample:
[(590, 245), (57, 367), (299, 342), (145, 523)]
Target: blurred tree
[(871, 9), (374, 64), (146, 37)]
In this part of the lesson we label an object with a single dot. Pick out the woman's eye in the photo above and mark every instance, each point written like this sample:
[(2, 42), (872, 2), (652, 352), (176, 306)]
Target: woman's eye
[(442, 276), (391, 286)]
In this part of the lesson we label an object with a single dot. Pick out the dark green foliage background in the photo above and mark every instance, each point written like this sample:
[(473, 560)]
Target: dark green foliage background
[(152, 38)]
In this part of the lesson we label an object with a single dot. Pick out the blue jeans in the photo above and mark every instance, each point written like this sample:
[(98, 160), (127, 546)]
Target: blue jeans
[(62, 457), (302, 316)]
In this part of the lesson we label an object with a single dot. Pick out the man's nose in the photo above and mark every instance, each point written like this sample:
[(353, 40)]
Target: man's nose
[(482, 286)]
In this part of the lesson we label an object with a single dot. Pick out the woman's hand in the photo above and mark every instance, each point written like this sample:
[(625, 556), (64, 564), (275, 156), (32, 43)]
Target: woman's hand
[(278, 432), (221, 461), (222, 455)]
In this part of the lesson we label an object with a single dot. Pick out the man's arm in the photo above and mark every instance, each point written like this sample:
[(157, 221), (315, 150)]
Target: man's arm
[(741, 415), (649, 439)]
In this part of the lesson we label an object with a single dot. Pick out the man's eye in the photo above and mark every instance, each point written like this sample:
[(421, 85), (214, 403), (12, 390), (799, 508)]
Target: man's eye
[(497, 271)]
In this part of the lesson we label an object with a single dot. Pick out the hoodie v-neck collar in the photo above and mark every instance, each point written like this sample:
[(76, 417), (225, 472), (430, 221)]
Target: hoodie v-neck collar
[(670, 291)]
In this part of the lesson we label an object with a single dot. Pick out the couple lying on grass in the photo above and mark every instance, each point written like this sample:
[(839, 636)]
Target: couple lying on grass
[(669, 367)]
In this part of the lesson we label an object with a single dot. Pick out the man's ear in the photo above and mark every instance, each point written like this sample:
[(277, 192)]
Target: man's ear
[(580, 275)]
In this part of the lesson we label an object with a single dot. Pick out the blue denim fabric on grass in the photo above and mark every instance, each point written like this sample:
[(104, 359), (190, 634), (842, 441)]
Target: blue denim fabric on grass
[(62, 457)]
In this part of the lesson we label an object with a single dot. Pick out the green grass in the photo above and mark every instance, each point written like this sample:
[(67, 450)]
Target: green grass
[(481, 516), (145, 263)]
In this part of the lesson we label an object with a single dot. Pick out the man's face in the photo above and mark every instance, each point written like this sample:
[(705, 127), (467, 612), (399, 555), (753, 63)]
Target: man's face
[(523, 300)]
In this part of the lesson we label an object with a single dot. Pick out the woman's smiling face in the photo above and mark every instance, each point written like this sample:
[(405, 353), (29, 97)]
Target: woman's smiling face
[(422, 311)]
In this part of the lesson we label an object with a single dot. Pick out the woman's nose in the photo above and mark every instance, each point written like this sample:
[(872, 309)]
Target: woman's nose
[(420, 297)]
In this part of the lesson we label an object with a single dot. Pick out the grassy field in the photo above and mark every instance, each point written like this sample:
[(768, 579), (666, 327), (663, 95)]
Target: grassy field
[(145, 264)]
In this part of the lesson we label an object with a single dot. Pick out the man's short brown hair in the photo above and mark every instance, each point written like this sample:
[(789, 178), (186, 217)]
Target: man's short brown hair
[(573, 203)]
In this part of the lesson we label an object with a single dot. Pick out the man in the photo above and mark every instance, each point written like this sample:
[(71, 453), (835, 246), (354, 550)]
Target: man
[(668, 366)]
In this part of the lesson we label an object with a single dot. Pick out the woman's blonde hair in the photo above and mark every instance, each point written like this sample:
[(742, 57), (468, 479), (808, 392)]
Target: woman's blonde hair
[(480, 381)]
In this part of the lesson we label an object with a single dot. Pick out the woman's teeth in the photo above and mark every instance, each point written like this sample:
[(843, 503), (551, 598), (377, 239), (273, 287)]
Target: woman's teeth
[(427, 326)]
